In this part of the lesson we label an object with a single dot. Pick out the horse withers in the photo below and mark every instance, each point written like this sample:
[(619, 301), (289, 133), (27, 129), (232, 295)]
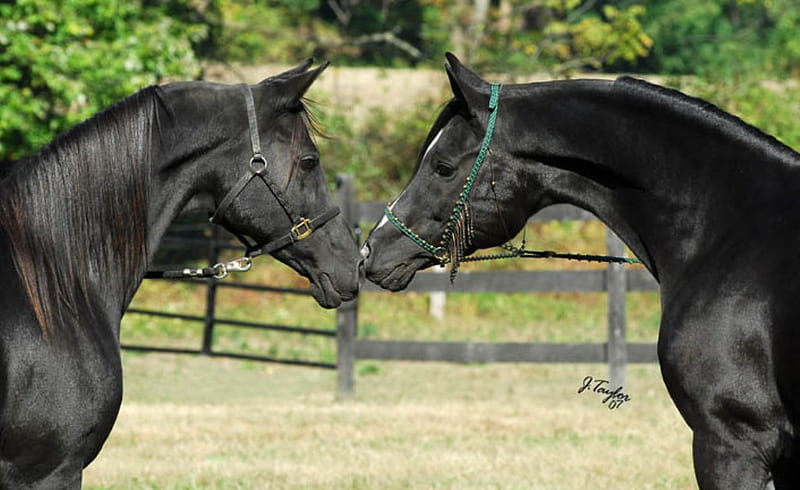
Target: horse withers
[(80, 221), (706, 202)]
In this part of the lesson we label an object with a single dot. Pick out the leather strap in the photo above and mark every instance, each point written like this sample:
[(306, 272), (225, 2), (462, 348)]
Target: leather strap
[(258, 166)]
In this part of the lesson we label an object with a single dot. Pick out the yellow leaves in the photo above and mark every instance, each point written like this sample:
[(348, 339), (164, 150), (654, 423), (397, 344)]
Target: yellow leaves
[(76, 29)]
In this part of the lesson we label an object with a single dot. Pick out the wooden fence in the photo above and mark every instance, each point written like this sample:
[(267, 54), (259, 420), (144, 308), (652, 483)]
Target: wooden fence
[(616, 280), (214, 245)]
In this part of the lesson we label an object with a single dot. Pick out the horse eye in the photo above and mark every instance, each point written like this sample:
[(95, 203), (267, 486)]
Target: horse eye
[(444, 170), (308, 162)]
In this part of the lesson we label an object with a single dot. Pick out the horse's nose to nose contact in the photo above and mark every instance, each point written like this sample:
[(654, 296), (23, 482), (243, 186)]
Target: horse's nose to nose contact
[(362, 271), (365, 251)]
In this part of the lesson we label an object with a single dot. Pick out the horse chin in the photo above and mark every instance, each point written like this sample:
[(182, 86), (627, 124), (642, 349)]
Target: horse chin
[(323, 290), (398, 278), (321, 286)]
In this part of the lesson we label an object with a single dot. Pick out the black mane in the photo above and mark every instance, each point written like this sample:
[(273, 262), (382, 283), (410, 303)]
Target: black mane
[(78, 202)]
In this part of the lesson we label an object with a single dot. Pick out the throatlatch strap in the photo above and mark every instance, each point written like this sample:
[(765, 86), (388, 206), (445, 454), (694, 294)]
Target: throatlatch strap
[(258, 166)]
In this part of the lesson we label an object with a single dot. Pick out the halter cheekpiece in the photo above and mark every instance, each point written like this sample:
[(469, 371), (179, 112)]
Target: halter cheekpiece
[(258, 167)]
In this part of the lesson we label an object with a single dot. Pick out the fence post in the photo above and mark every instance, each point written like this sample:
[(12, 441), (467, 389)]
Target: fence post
[(616, 286), (211, 293), (437, 299), (347, 313)]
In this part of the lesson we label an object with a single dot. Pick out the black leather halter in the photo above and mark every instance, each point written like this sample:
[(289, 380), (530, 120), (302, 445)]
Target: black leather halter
[(301, 227), (258, 168)]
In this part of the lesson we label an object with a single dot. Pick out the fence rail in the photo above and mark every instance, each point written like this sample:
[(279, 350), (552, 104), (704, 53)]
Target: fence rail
[(616, 280), (217, 243)]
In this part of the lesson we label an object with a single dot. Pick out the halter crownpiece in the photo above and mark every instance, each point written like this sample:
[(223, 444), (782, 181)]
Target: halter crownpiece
[(302, 227), (258, 166), (458, 233)]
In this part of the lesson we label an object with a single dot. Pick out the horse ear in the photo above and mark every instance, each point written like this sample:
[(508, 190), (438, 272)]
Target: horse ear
[(292, 85), (467, 86), (301, 68)]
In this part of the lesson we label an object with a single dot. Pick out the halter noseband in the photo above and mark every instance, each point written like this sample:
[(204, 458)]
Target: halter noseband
[(301, 227), (457, 233)]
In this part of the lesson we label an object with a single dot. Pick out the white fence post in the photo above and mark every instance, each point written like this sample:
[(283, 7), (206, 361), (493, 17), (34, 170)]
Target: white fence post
[(437, 299)]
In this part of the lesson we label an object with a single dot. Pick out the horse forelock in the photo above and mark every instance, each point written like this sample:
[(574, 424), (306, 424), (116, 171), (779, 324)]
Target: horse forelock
[(78, 209), (305, 124)]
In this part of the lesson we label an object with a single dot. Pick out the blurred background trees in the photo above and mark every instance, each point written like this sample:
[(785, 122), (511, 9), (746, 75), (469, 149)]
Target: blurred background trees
[(63, 60)]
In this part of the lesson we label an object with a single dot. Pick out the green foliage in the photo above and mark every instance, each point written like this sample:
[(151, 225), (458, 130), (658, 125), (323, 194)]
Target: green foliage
[(556, 35), (723, 37), (61, 62), (381, 151), (771, 107), (598, 39), (273, 32)]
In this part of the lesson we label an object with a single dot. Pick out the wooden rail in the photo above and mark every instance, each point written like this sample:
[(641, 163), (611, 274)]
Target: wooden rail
[(616, 280)]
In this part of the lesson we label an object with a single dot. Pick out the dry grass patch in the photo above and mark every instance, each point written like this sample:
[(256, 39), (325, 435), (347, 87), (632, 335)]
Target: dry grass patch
[(204, 423)]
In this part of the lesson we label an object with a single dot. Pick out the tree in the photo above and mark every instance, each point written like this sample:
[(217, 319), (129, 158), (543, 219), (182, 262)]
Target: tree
[(558, 35), (62, 61), (724, 38)]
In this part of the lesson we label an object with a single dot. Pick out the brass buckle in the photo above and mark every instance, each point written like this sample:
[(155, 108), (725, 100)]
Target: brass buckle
[(302, 229)]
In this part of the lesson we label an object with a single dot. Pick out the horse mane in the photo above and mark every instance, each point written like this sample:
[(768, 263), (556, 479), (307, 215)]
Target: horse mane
[(77, 209), (692, 107)]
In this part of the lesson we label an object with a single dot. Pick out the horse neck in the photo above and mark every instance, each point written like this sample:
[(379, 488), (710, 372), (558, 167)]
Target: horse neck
[(193, 134), (74, 216), (664, 171)]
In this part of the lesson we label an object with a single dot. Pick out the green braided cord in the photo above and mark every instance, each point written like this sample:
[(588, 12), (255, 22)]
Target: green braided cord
[(435, 251), (473, 174), (440, 251)]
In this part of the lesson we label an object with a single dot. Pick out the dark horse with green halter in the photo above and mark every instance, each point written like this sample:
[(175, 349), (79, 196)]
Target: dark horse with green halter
[(80, 221), (708, 203)]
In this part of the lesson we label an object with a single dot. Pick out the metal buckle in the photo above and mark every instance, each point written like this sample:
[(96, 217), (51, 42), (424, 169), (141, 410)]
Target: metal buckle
[(302, 229)]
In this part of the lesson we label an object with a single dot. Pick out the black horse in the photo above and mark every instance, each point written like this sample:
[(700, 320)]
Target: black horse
[(80, 220), (709, 204)]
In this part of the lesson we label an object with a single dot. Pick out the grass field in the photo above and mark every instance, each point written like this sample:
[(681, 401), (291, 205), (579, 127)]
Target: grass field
[(208, 423)]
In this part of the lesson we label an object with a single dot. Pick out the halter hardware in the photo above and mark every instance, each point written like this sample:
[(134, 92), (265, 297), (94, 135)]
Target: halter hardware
[(242, 264), (302, 227)]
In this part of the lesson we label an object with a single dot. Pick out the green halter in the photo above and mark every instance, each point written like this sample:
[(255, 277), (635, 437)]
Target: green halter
[(461, 210)]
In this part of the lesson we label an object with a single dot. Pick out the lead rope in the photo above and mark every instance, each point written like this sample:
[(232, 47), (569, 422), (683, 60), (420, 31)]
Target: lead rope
[(522, 253)]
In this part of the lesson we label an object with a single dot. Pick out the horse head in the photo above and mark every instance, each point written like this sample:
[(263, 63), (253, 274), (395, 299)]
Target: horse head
[(464, 194), (265, 183)]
